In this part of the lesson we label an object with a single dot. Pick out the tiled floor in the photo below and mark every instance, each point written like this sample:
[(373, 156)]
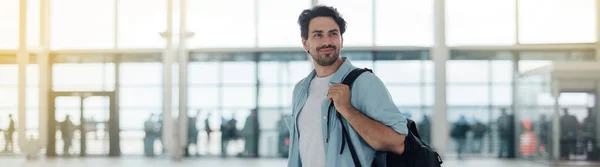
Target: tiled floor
[(217, 162)]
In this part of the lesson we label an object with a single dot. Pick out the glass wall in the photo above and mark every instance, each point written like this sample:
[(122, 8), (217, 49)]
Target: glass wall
[(479, 85), (9, 101)]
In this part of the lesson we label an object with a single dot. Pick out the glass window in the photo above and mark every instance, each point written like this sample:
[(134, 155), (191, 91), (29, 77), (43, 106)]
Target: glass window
[(8, 97), (468, 71), (363, 63), (468, 95), (429, 71), (141, 74), (502, 71), (270, 96), (287, 97), (480, 22), (8, 74), (297, 70), (502, 95), (200, 97), (557, 21), (392, 18), (527, 65), (268, 119), (239, 97), (80, 77), (406, 95), (399, 71), (75, 22), (573, 99), (359, 30), (203, 72), (277, 22), (33, 23), (32, 96), (270, 72), (144, 97), (140, 25), (221, 24), (132, 119), (429, 95), (239, 72), (9, 24)]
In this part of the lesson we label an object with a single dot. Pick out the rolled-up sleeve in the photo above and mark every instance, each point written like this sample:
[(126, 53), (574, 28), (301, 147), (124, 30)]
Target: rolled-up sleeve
[(374, 100)]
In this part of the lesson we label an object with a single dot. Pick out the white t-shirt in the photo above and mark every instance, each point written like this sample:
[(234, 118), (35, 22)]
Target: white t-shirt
[(312, 150)]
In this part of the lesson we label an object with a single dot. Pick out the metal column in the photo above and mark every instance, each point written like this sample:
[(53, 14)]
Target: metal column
[(556, 121), (168, 130), (183, 77), (440, 55)]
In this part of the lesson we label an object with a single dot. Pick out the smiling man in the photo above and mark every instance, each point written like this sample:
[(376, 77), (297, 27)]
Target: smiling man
[(374, 121)]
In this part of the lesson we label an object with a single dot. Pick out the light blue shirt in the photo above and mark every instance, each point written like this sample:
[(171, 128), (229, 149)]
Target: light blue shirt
[(368, 95)]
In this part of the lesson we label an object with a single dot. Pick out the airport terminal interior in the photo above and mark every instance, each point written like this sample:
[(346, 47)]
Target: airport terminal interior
[(209, 82)]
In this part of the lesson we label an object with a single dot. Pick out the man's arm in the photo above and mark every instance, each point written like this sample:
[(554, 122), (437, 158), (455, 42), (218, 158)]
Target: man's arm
[(379, 136), (376, 134)]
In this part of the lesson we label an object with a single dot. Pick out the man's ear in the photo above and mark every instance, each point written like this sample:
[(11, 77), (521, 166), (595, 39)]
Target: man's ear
[(305, 46)]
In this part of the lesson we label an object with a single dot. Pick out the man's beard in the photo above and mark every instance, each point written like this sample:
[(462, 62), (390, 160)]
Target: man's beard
[(326, 59)]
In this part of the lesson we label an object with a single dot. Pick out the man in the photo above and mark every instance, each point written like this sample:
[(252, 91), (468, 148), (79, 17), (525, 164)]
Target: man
[(251, 134), (568, 134), (544, 134), (425, 129), (479, 130), (66, 129), (503, 133), (192, 135), (208, 131), (459, 133), (9, 135), (374, 122), (589, 128), (151, 134)]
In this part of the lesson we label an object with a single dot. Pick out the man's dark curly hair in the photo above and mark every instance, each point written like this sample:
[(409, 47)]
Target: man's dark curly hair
[(319, 11)]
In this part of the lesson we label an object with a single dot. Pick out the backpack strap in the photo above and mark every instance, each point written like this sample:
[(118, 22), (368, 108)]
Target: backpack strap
[(349, 80)]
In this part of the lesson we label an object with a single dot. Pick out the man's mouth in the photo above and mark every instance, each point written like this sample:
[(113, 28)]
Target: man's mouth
[(326, 50)]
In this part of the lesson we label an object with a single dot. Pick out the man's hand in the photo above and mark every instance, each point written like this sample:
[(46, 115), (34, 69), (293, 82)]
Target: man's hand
[(340, 94)]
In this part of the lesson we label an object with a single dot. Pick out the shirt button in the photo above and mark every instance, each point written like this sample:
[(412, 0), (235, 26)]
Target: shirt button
[(324, 117)]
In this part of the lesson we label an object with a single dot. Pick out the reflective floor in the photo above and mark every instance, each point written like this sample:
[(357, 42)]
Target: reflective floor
[(234, 162)]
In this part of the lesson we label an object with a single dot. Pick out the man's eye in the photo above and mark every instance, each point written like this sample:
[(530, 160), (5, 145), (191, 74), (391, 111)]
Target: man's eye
[(318, 35)]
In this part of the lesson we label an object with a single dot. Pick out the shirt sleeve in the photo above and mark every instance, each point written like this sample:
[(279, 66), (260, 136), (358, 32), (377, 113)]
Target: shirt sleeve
[(374, 100)]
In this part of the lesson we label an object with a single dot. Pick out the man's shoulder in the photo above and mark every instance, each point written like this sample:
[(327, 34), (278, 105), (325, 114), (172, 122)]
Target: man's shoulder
[(368, 80)]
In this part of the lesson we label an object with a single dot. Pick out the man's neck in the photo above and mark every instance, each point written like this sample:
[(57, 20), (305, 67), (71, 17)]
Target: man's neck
[(324, 71)]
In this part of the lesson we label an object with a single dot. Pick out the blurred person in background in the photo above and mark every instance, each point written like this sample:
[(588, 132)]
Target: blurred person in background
[(151, 131), (9, 135), (208, 130), (192, 135), (543, 134), (568, 134), (251, 134), (284, 136), (66, 129), (479, 129), (459, 133), (589, 130), (504, 134), (425, 129)]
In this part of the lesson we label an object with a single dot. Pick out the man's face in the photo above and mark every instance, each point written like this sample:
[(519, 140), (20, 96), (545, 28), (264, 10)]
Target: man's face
[(324, 40)]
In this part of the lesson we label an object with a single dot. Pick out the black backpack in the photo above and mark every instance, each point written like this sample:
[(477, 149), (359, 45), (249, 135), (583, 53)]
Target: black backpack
[(416, 153)]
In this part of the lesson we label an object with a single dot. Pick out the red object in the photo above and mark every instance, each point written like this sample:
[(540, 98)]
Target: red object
[(527, 139)]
